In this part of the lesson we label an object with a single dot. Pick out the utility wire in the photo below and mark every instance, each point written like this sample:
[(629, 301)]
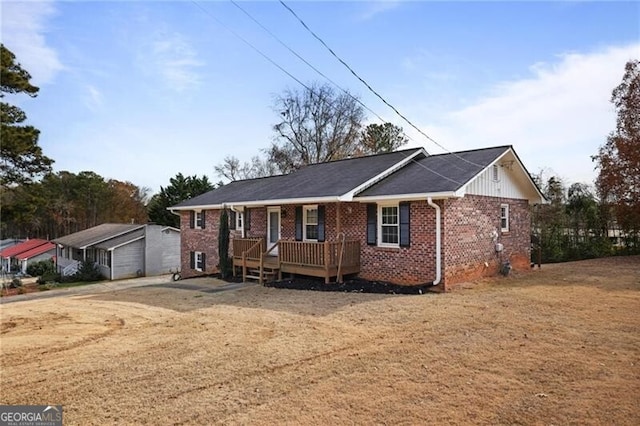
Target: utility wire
[(274, 63), (368, 86), (346, 92)]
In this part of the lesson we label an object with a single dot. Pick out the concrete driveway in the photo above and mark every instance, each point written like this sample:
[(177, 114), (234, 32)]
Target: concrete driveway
[(204, 284)]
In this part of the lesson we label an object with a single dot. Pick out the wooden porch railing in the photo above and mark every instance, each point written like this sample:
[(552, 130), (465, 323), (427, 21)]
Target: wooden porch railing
[(326, 259), (244, 250), (249, 246), (334, 258)]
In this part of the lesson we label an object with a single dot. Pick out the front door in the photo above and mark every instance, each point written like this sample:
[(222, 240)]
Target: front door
[(273, 228)]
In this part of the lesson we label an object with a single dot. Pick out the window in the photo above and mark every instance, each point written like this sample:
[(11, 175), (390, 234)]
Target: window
[(239, 220), (504, 217), (494, 173), (198, 220), (198, 258), (389, 225), (104, 258), (311, 223)]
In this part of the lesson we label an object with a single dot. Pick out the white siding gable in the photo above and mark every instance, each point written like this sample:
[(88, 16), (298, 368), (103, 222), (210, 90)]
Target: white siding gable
[(512, 181)]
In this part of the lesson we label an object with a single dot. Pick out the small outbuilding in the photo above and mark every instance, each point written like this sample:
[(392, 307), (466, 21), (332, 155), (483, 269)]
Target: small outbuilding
[(121, 250)]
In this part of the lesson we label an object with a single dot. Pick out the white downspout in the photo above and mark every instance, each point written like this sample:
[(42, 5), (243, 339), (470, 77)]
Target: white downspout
[(436, 281)]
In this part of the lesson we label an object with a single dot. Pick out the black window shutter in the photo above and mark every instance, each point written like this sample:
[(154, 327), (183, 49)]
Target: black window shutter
[(192, 259), (204, 262), (299, 223), (204, 215), (321, 223), (372, 224), (192, 219), (247, 219), (405, 224), (232, 220)]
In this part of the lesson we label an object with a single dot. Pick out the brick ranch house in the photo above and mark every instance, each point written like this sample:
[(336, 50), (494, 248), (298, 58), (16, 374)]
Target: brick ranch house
[(405, 217)]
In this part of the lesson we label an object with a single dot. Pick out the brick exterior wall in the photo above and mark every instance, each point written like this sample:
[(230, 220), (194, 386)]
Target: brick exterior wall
[(203, 240), (467, 243), (472, 229), (403, 265)]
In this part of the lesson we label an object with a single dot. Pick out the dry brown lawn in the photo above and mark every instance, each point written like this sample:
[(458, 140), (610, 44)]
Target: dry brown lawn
[(560, 345)]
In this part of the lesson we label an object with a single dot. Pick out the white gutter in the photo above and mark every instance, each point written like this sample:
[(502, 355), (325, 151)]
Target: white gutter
[(407, 197), (261, 203), (436, 281)]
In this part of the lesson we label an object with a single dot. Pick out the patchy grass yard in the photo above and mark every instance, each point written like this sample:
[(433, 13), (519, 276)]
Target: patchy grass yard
[(560, 345)]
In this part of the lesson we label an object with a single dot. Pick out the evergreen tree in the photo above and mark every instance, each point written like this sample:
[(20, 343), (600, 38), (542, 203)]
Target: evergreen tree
[(22, 157), (223, 245)]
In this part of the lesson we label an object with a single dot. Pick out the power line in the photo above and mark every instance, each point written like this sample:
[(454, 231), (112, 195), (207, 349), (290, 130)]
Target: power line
[(265, 56), (274, 63), (346, 92), (367, 85)]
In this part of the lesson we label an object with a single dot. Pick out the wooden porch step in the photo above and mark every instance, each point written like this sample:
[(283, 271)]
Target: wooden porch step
[(252, 277), (267, 273)]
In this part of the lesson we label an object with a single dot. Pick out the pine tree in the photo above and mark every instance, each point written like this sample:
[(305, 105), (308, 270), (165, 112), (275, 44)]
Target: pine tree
[(22, 157)]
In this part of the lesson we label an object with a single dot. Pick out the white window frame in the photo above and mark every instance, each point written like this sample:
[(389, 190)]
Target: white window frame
[(240, 221), (103, 257), (495, 176), (380, 225), (197, 260), (504, 217), (305, 210), (198, 217)]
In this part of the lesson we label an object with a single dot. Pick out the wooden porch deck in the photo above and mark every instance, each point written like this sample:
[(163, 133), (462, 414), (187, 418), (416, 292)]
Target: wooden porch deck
[(326, 259)]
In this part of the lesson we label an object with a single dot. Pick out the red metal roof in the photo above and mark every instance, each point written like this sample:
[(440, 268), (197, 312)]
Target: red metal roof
[(36, 251), (14, 251)]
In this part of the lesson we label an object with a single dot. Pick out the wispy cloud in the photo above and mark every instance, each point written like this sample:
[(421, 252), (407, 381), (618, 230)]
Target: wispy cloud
[(375, 8), (24, 25), (93, 98), (556, 118), (171, 56)]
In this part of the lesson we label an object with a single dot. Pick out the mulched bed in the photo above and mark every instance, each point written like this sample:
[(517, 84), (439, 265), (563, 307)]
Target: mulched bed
[(355, 285)]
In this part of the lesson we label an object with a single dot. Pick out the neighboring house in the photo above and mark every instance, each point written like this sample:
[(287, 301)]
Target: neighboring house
[(17, 257), (405, 217), (121, 250), (9, 242)]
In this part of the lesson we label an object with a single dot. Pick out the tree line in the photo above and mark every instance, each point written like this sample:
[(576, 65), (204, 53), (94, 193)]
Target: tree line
[(580, 222), (576, 224)]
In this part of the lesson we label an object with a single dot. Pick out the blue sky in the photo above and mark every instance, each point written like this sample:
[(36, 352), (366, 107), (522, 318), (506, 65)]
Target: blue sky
[(141, 91)]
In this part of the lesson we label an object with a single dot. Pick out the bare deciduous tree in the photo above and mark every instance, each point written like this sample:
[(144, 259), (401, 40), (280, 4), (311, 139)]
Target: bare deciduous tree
[(317, 125), (232, 169)]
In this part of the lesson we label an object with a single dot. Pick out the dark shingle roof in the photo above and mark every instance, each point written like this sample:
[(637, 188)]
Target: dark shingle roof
[(436, 173), (122, 239), (334, 178), (96, 234)]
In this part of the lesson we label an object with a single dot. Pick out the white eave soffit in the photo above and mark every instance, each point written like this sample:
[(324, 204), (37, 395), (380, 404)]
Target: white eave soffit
[(409, 197)]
